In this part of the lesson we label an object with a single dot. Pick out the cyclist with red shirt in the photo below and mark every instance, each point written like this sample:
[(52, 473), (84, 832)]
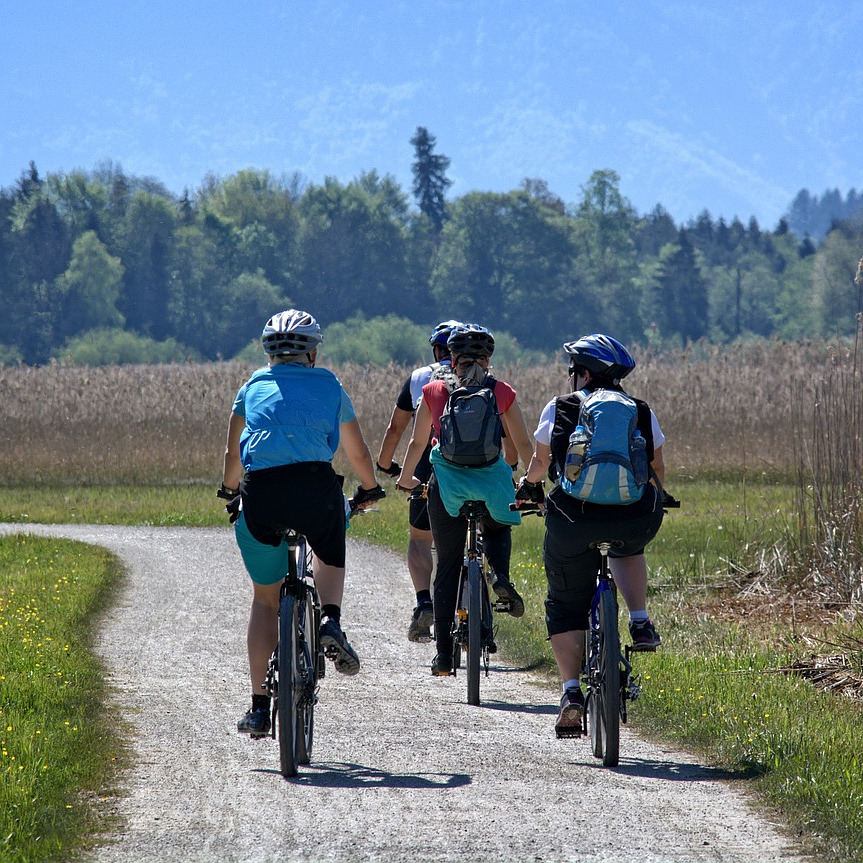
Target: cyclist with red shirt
[(450, 485)]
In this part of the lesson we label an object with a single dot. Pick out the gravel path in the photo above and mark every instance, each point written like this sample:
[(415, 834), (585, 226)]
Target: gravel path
[(403, 769)]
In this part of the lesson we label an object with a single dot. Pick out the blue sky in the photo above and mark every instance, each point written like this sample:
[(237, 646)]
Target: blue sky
[(730, 107)]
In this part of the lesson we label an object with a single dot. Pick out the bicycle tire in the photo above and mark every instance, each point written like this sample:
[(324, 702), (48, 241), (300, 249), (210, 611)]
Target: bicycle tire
[(288, 689), (306, 666), (459, 640), (609, 659), (474, 630), (591, 702)]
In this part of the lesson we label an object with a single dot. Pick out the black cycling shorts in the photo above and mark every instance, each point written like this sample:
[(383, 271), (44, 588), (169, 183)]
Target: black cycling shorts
[(306, 497)]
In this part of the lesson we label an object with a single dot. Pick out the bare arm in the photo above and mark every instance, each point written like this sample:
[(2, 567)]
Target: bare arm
[(399, 421), (516, 431), (539, 462), (232, 472), (419, 439), (354, 445)]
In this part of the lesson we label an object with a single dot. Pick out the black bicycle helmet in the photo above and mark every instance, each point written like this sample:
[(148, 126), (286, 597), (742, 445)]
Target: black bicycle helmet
[(291, 333), (601, 355), (441, 332), (470, 339)]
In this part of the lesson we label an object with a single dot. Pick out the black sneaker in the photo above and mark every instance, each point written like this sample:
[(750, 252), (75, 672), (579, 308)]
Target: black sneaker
[(336, 647), (256, 722), (441, 665), (420, 626), (644, 635), (569, 720), (505, 590)]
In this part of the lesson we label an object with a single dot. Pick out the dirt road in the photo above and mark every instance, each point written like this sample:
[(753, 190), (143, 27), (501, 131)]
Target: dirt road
[(403, 769)]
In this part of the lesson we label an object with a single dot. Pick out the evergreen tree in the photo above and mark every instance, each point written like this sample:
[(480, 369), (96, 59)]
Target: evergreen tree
[(430, 180)]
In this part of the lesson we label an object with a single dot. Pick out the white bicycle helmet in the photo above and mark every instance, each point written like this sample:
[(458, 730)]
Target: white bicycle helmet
[(291, 333)]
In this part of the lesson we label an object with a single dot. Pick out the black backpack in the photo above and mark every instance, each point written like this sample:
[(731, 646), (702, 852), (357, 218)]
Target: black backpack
[(470, 426)]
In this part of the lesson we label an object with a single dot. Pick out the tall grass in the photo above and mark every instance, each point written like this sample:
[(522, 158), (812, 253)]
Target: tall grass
[(720, 408), (736, 412)]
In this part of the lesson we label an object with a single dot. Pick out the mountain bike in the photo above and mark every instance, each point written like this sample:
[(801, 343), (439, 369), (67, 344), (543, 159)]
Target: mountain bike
[(297, 665), (606, 671), (473, 625)]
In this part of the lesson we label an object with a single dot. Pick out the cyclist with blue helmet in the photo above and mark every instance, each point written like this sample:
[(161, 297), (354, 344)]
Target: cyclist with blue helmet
[(450, 485), (286, 424), (596, 361), (419, 555)]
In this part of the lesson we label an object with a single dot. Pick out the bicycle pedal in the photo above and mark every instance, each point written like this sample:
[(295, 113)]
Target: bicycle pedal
[(564, 733), (502, 606)]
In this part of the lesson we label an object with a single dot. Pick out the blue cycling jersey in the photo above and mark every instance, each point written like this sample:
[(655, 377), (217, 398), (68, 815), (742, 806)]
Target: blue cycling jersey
[(292, 415)]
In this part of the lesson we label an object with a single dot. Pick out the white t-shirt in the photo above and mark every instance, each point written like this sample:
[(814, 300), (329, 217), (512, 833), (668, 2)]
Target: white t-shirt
[(549, 412)]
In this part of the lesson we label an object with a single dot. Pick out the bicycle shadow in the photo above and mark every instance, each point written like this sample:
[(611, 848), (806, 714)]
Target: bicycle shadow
[(335, 774), (510, 707), (673, 771)]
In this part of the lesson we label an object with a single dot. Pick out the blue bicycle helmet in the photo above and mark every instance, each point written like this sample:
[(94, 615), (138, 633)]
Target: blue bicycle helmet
[(470, 339), (441, 332), (601, 355)]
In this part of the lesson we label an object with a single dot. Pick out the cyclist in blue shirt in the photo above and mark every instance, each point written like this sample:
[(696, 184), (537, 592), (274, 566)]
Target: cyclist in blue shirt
[(286, 424)]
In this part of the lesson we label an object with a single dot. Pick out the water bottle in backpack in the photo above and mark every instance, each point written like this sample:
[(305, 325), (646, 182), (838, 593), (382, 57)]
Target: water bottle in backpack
[(575, 453)]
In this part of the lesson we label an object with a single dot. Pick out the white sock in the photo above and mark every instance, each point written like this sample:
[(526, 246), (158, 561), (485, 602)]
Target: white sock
[(571, 684), (638, 616)]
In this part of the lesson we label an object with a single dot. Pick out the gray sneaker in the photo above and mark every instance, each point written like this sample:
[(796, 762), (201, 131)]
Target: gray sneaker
[(569, 720), (336, 647), (420, 626)]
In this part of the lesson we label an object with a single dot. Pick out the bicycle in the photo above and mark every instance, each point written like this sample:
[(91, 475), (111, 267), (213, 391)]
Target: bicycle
[(297, 664), (606, 671), (473, 623)]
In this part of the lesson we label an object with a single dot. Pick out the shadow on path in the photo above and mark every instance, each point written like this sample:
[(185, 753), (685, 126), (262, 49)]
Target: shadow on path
[(333, 774)]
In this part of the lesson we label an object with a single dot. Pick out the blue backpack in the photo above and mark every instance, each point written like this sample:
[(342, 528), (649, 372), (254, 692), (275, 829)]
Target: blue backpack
[(606, 460)]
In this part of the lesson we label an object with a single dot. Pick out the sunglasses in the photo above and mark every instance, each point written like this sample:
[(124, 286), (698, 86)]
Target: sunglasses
[(467, 360)]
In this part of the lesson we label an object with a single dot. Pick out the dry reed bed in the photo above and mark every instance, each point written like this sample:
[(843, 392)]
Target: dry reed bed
[(721, 409)]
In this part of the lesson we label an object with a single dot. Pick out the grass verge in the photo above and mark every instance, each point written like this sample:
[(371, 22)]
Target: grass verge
[(58, 749)]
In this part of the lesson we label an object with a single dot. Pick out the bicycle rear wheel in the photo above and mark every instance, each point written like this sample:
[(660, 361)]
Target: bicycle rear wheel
[(609, 686), (474, 630), (289, 688)]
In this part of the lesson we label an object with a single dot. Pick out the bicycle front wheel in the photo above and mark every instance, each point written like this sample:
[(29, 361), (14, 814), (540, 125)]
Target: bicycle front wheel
[(609, 687), (474, 630), (288, 689)]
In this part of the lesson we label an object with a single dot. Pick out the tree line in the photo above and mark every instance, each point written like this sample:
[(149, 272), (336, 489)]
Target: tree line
[(90, 260)]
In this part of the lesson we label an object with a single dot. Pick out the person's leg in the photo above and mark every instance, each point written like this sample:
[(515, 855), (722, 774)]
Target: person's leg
[(497, 547), (630, 576), (263, 632), (420, 563), (568, 650), (570, 567), (420, 566), (449, 537)]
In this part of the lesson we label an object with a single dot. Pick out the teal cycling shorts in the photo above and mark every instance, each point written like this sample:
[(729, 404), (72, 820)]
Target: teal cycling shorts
[(266, 564)]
